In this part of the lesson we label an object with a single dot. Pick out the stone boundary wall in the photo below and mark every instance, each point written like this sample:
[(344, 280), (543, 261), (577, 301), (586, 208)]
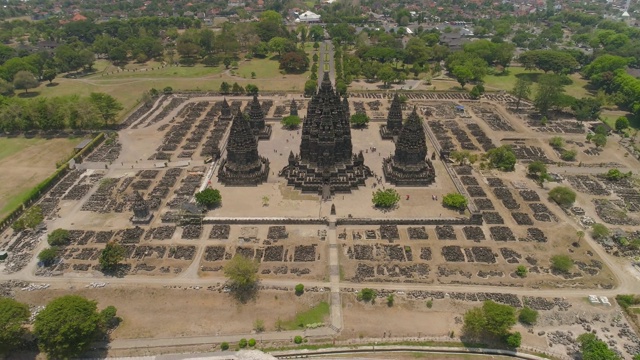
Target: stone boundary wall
[(474, 219)]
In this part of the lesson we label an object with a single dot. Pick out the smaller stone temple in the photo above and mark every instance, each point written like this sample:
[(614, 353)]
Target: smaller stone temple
[(141, 213), (243, 166), (225, 111), (293, 109), (409, 166), (393, 126), (256, 119)]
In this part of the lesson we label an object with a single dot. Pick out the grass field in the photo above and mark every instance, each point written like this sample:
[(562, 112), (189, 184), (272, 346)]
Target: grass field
[(314, 315), (506, 82), (25, 163), (264, 68)]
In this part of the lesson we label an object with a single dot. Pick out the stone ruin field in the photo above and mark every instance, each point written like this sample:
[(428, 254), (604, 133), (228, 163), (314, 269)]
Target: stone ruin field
[(161, 154)]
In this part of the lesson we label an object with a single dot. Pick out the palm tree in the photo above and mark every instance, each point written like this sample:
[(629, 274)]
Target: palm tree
[(580, 235)]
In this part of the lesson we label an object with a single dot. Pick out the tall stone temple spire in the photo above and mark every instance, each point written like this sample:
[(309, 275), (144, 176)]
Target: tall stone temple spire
[(225, 111), (394, 120), (293, 109), (256, 119), (326, 163), (409, 166), (243, 166)]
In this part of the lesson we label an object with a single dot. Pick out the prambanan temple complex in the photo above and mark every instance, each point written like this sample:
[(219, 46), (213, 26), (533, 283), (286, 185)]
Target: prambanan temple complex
[(326, 163), (243, 166), (409, 166)]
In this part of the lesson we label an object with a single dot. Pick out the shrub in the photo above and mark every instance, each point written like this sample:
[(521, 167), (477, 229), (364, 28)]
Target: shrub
[(297, 339), (385, 198), (561, 263), (557, 142), (599, 231), (502, 158), (528, 316), (455, 200), (252, 342), (224, 346), (366, 294), (568, 155), (299, 289), (258, 326), (359, 120), (242, 343), (615, 175), (429, 304), (513, 340), (563, 195), (59, 237), (390, 300), (521, 271)]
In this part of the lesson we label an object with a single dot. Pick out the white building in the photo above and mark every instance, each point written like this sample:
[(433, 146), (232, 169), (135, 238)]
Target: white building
[(308, 17)]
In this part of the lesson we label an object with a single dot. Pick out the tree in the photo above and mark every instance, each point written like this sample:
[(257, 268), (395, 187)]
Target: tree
[(297, 339), (549, 93), (58, 237), (593, 348), (476, 91), (557, 142), (521, 90), (225, 88), (385, 198), (367, 294), (111, 256), (537, 169), (251, 89), (243, 277), (25, 80), (599, 140), (563, 196), (67, 326), (499, 318), (622, 123), (386, 74), (521, 271), (242, 343), (359, 120), (502, 158), (209, 197), (528, 316), (462, 74), (49, 75), (107, 106), (310, 87), (474, 323), (279, 45), (586, 108), (294, 62), (561, 263), (454, 200), (13, 318), (48, 256), (237, 89), (291, 121), (226, 62), (599, 231)]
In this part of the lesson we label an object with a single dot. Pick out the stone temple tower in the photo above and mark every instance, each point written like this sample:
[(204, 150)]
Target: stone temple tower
[(243, 166), (409, 166), (326, 163)]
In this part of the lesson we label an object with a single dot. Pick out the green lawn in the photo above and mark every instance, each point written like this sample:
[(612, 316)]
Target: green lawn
[(506, 82), (264, 68), (314, 315)]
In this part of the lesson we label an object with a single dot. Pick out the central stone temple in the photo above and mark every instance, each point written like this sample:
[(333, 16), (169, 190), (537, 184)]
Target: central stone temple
[(326, 164), (243, 166), (409, 166)]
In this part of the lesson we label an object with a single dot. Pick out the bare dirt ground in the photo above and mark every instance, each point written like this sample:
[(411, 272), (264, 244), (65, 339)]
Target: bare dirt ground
[(29, 166), (200, 312)]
